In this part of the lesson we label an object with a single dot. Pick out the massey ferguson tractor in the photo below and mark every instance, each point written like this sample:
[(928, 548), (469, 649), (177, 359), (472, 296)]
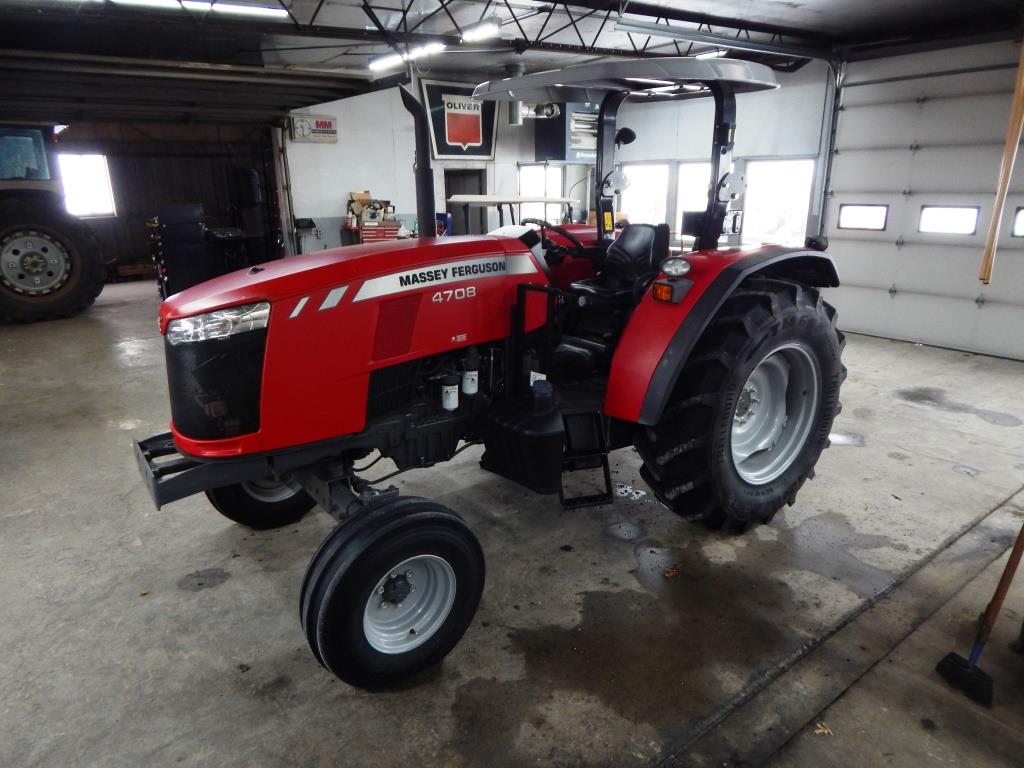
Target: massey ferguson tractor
[(549, 345)]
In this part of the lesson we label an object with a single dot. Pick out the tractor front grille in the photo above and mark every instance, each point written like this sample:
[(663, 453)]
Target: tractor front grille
[(215, 385)]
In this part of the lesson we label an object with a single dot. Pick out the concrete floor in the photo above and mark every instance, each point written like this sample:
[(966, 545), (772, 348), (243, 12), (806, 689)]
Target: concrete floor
[(135, 637)]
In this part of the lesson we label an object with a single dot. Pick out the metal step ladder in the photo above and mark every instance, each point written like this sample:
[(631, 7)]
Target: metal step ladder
[(586, 448)]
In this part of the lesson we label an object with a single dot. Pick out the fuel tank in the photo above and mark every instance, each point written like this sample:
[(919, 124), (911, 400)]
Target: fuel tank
[(335, 317)]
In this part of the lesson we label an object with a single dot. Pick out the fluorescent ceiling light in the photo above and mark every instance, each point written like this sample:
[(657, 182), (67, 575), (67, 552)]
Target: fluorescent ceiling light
[(149, 3), (485, 30), (248, 10), (233, 9), (396, 59), (710, 54)]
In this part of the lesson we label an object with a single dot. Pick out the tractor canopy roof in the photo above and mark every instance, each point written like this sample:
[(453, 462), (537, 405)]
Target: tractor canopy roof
[(671, 77)]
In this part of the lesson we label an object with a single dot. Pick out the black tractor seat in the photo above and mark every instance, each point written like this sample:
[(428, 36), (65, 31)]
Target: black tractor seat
[(637, 252)]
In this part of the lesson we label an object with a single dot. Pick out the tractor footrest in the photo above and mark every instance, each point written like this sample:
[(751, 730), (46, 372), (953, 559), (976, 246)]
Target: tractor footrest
[(586, 448)]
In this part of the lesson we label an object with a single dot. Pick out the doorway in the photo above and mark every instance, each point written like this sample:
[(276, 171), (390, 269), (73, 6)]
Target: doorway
[(466, 182)]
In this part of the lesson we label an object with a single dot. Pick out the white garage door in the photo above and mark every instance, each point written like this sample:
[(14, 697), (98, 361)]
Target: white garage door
[(922, 135)]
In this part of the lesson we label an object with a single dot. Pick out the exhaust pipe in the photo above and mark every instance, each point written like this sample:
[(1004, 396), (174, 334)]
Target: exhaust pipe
[(424, 173)]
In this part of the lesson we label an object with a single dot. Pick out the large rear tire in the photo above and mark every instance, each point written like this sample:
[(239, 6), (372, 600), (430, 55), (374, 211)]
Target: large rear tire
[(752, 410), (51, 264), (391, 592)]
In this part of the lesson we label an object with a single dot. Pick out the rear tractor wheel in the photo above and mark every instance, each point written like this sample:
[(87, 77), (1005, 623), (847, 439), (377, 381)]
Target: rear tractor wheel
[(752, 410)]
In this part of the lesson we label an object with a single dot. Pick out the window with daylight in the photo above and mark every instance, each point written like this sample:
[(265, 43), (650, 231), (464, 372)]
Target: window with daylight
[(1018, 224), (541, 181), (692, 189), (871, 217), (777, 201), (87, 190), (645, 200), (949, 219)]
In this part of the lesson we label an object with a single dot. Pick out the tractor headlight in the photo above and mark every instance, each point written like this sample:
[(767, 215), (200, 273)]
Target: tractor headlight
[(219, 324), (675, 267)]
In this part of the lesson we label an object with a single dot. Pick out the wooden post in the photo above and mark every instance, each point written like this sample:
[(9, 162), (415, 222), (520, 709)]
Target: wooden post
[(1013, 133)]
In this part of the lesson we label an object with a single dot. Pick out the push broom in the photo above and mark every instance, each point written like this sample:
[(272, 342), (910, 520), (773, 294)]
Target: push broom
[(965, 674)]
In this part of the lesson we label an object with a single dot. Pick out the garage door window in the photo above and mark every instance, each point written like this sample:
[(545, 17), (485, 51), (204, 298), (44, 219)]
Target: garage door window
[(871, 217), (645, 201), (777, 200), (87, 190), (949, 219), (1018, 223)]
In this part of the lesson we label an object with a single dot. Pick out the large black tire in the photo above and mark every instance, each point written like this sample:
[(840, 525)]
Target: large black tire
[(688, 456), (80, 275), (261, 506), (354, 586)]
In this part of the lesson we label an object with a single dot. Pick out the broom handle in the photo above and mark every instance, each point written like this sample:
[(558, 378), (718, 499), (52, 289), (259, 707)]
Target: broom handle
[(1013, 133), (996, 605)]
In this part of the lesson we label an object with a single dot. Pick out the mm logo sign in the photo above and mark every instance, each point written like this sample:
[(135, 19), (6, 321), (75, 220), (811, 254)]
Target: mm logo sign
[(314, 128), (463, 126)]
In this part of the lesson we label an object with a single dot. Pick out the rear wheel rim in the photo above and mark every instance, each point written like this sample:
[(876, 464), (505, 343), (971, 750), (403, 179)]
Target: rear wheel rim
[(775, 413), (270, 492), (409, 604), (33, 263)]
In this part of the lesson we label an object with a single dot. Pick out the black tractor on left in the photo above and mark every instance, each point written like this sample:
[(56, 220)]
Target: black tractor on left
[(51, 264)]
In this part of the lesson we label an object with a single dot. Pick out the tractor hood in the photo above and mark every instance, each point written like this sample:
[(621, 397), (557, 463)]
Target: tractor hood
[(296, 276)]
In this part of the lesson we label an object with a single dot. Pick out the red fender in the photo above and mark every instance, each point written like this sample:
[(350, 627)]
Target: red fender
[(659, 337)]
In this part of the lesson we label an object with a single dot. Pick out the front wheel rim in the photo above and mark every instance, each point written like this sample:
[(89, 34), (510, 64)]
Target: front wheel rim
[(775, 413), (270, 492), (409, 604)]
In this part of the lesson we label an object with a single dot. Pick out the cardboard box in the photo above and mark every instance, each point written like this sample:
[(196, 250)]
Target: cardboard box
[(357, 201)]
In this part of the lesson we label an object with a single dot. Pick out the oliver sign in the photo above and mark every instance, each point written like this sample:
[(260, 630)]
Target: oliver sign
[(460, 126)]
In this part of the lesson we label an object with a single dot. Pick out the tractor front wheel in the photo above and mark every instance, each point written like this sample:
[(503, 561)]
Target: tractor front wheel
[(262, 505), (391, 592), (752, 410)]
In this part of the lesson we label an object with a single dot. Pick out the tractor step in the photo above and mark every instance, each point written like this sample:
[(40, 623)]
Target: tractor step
[(586, 448)]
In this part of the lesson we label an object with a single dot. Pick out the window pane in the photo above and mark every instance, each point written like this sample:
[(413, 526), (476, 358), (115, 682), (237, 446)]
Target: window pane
[(1018, 223), (863, 217), (646, 198), (777, 200), (23, 154), (554, 189), (948, 219), (86, 181), (694, 179)]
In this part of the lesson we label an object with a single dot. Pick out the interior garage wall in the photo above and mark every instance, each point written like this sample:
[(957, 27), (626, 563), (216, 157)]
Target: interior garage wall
[(375, 152), (928, 129), (153, 165)]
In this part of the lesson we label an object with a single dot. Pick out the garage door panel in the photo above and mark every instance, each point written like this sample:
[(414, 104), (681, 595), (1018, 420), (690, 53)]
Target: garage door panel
[(861, 309), (965, 120), (936, 297), (871, 170), (863, 263), (971, 84)]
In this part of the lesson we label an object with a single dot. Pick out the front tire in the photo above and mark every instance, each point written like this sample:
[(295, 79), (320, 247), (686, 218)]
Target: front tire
[(262, 505), (752, 410), (391, 592)]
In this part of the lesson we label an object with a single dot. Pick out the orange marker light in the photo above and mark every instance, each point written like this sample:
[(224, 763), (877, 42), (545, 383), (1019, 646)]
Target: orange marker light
[(663, 292)]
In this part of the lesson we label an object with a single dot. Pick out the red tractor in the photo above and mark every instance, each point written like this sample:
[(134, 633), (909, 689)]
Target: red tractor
[(550, 345)]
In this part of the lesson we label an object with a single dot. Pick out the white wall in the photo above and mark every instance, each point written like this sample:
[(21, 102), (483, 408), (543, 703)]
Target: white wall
[(375, 151), (785, 122)]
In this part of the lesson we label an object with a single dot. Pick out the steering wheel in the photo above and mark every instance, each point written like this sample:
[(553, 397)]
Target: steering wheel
[(551, 248)]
